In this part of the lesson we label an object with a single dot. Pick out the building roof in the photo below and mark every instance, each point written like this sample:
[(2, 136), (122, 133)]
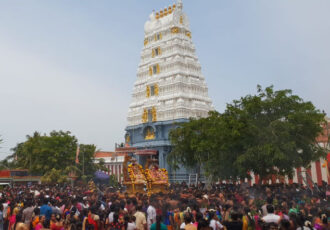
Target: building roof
[(102, 154)]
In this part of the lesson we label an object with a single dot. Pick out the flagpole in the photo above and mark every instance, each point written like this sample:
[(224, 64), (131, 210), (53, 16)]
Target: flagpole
[(83, 163)]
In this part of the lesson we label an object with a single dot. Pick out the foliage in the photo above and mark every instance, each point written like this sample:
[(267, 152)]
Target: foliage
[(41, 153), (100, 165), (54, 176), (113, 181), (268, 133), (86, 160), (53, 154)]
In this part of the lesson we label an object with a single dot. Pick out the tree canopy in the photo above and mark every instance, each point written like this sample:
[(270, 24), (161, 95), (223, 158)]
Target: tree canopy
[(271, 132), (53, 155)]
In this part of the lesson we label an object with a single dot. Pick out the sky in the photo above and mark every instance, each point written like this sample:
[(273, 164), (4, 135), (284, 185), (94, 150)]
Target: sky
[(71, 64)]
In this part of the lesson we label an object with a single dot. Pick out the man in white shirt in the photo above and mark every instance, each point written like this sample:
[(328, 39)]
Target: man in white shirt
[(151, 212), (271, 217), (113, 210), (140, 219), (214, 223)]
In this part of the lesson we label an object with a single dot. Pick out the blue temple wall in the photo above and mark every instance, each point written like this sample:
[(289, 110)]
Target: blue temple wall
[(161, 143)]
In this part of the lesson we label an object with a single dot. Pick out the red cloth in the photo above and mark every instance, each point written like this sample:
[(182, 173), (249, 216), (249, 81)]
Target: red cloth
[(55, 227), (93, 222), (159, 212)]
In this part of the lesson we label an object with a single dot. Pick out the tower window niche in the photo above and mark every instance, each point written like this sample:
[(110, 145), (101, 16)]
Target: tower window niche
[(158, 36), (149, 133), (156, 52), (152, 90), (154, 69), (149, 115)]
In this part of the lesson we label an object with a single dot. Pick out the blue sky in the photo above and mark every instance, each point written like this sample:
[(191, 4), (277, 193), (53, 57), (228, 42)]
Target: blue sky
[(71, 64)]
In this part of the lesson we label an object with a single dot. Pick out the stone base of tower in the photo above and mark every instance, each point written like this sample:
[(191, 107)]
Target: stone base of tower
[(154, 136)]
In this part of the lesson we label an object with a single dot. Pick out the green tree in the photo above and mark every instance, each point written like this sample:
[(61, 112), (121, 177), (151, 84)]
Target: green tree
[(41, 153), (86, 159), (113, 181), (54, 176), (87, 165), (53, 154), (268, 133)]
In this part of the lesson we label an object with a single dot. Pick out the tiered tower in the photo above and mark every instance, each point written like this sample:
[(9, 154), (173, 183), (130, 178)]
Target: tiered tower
[(169, 88)]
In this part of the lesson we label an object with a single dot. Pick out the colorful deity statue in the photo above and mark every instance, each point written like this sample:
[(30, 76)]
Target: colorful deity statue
[(134, 177), (157, 178)]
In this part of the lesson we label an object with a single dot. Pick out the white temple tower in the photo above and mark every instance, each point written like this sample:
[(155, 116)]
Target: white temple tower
[(170, 87)]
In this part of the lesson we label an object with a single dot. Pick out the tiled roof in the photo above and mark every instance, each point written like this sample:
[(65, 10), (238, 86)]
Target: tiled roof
[(102, 154)]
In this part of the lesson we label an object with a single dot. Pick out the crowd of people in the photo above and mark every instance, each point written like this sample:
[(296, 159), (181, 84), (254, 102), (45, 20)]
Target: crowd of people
[(217, 207)]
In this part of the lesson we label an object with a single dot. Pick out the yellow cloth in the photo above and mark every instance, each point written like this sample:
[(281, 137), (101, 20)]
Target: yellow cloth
[(245, 223)]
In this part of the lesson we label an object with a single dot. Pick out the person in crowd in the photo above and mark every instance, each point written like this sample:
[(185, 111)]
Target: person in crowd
[(1, 217), (284, 224), (219, 206), (57, 223), (140, 219), (271, 217), (214, 221), (235, 223), (42, 223), (46, 210), (116, 224), (12, 218), (158, 225), (129, 222), (151, 213), (28, 212)]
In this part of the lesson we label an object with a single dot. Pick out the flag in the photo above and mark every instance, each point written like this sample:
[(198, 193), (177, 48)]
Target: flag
[(77, 155)]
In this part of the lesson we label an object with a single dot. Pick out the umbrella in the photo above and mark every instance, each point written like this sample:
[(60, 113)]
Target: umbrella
[(101, 175)]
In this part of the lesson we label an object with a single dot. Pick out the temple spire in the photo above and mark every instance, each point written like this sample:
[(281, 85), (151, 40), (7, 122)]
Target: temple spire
[(170, 85)]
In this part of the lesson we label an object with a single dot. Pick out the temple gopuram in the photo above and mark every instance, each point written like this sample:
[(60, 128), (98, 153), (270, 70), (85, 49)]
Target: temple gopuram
[(169, 88)]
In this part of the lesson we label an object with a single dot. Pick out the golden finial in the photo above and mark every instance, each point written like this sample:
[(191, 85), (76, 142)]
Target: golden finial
[(161, 13), (157, 15), (174, 6), (165, 12), (169, 10)]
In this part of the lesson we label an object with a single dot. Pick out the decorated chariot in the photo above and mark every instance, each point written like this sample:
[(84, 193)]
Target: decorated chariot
[(152, 179), (134, 178), (157, 178)]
